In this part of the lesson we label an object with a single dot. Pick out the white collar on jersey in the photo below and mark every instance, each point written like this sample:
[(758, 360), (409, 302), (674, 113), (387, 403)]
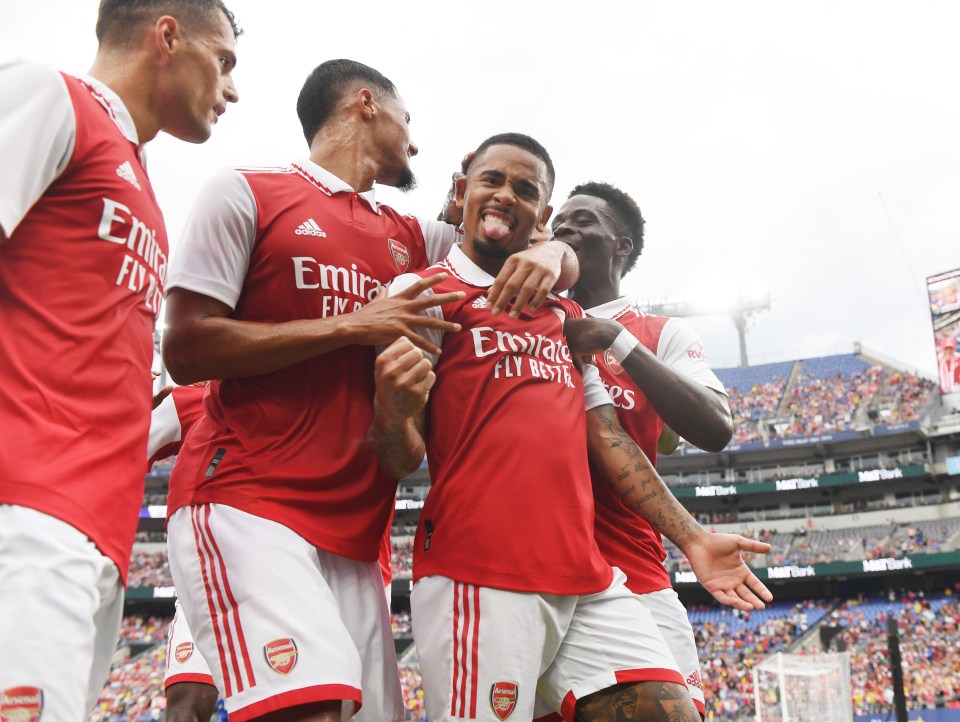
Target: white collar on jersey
[(610, 309), (467, 270), (334, 184), (115, 107)]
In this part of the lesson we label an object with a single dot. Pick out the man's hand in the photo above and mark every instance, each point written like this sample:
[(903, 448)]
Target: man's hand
[(404, 377), (590, 335), (387, 318), (715, 559), (528, 277)]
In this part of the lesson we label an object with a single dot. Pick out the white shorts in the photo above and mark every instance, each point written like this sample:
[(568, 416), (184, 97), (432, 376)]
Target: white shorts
[(486, 653), (61, 601), (184, 661), (671, 618), (280, 622)]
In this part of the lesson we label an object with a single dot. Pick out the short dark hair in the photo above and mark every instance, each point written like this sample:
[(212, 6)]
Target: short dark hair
[(325, 87), (527, 143), (627, 215), (117, 19)]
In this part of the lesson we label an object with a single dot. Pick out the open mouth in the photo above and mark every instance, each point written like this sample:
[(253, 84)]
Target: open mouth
[(496, 225)]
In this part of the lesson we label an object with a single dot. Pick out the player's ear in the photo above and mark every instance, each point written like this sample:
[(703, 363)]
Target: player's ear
[(624, 246), (365, 103), (545, 216), (167, 37), (460, 186)]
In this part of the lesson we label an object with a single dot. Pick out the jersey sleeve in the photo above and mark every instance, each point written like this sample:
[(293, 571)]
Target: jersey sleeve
[(37, 136), (681, 349), (215, 246), (402, 283), (439, 238), (594, 392)]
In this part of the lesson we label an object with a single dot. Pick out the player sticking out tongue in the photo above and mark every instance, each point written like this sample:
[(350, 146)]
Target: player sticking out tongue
[(495, 225)]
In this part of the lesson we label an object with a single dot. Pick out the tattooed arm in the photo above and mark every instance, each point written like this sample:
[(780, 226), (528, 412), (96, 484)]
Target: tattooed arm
[(403, 378), (715, 558)]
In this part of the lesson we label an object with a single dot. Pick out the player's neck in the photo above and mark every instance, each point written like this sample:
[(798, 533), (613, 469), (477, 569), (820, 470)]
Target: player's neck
[(590, 295), (119, 72), (338, 152)]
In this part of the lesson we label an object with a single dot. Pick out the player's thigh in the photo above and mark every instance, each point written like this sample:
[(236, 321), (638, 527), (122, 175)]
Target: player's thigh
[(671, 617), (481, 650), (56, 588), (612, 639), (261, 613), (358, 589)]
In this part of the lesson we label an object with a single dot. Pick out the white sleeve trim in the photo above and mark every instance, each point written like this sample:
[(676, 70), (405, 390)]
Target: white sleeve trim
[(594, 392), (681, 349), (214, 250), (434, 336), (438, 238), (37, 136)]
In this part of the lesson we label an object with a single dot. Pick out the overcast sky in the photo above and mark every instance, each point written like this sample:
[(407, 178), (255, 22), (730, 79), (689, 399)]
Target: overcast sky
[(811, 149)]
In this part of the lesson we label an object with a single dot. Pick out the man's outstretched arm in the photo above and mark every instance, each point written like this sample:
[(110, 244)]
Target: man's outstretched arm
[(203, 342), (715, 558)]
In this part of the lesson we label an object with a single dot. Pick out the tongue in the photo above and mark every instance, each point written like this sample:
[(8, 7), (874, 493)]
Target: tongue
[(493, 229)]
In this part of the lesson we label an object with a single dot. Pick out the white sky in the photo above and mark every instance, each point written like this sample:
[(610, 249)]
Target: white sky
[(809, 148)]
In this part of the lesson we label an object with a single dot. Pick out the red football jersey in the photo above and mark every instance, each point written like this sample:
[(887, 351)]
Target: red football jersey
[(510, 505), (290, 445), (81, 280), (626, 540)]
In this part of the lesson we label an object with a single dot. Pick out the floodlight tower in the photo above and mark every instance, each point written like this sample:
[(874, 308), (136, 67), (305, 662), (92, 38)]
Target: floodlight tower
[(739, 311)]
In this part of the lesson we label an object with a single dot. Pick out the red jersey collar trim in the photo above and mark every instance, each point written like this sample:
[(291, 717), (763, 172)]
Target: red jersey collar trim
[(611, 309), (330, 184), (114, 106)]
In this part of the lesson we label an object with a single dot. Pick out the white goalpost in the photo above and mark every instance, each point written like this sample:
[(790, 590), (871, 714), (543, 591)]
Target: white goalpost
[(803, 688)]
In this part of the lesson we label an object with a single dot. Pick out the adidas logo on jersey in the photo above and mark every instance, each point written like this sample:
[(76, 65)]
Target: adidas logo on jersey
[(479, 302), (125, 171), (310, 228), (694, 680)]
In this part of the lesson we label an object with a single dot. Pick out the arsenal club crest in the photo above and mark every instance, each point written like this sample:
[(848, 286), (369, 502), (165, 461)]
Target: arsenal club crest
[(503, 698), (615, 368), (183, 652), (21, 704), (400, 254), (281, 655)]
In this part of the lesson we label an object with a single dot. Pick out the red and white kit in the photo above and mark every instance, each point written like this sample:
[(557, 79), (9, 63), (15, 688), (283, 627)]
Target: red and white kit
[(626, 540), (511, 590), (170, 422), (81, 280), (287, 448)]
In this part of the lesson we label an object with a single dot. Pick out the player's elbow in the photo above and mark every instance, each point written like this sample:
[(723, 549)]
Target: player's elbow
[(179, 359), (720, 434)]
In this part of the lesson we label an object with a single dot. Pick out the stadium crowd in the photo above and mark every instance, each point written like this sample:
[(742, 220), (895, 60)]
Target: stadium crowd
[(814, 405)]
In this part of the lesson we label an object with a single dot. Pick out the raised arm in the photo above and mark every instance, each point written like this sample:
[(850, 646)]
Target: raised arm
[(403, 378), (697, 413), (203, 342), (715, 558)]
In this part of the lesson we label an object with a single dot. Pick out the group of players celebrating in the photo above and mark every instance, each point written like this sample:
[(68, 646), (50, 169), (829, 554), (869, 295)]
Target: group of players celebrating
[(342, 341)]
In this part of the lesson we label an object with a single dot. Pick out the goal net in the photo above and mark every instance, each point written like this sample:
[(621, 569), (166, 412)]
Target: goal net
[(803, 688)]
